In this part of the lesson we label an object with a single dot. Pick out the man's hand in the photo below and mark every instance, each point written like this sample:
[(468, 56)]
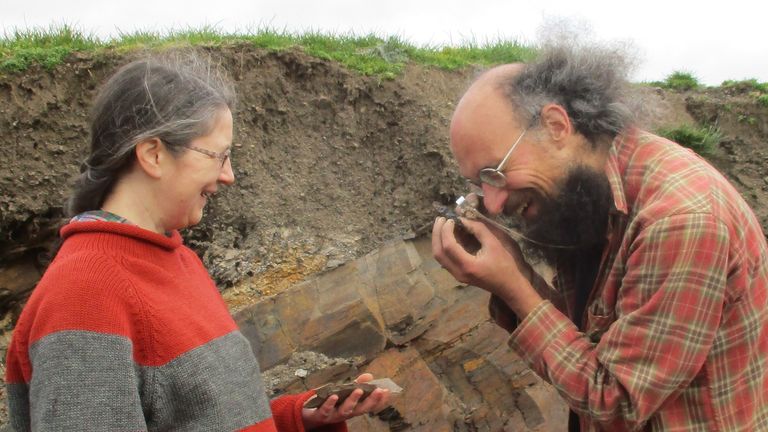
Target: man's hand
[(498, 267), (328, 413)]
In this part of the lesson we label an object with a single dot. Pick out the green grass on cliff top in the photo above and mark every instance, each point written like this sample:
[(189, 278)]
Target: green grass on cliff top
[(370, 55)]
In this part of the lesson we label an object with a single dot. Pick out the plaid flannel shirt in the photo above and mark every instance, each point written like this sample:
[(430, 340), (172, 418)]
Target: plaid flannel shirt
[(675, 335)]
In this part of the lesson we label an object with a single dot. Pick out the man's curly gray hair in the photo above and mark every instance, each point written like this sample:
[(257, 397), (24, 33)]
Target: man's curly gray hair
[(589, 82)]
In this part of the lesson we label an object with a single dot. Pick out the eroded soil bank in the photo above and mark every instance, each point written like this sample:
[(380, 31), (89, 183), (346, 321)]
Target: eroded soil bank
[(329, 164)]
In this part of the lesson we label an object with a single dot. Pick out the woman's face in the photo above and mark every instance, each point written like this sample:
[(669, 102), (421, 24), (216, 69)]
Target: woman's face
[(196, 176)]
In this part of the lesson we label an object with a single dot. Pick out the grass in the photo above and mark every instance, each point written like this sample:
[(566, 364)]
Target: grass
[(48, 48), (369, 54), (750, 87), (679, 80), (746, 86), (702, 140)]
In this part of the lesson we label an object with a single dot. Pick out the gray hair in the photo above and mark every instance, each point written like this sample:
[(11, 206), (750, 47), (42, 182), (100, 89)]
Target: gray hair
[(175, 99), (589, 82)]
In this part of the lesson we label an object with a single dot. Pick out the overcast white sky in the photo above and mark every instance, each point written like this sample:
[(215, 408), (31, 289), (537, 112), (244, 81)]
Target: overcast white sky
[(713, 40)]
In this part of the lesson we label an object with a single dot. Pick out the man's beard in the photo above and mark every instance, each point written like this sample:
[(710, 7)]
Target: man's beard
[(569, 232), (574, 222)]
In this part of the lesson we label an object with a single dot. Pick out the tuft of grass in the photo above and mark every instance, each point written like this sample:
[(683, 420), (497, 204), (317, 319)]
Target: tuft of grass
[(702, 140), (745, 86), (746, 118), (681, 81), (490, 52), (750, 87), (47, 47), (661, 84), (368, 54)]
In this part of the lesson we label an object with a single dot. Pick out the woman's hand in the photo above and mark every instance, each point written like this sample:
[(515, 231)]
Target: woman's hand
[(327, 413)]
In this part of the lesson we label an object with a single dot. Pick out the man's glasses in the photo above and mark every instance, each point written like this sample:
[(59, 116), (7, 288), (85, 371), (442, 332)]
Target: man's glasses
[(493, 176), (216, 155)]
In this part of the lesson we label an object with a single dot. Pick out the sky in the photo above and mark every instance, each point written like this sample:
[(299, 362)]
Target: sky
[(715, 41)]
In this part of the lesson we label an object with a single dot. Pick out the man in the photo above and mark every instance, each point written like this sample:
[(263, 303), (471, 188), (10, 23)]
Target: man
[(657, 318)]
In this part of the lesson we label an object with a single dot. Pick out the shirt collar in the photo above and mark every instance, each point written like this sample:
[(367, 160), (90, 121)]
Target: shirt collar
[(618, 156)]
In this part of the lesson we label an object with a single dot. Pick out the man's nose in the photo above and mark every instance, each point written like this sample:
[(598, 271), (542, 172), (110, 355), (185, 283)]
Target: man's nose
[(494, 199)]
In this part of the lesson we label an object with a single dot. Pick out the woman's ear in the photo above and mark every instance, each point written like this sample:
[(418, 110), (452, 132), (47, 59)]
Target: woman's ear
[(149, 155), (556, 123)]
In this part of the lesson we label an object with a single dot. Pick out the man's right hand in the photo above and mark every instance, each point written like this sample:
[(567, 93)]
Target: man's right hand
[(498, 267)]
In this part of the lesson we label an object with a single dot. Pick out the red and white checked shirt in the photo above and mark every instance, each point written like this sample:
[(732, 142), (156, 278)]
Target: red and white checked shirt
[(676, 331)]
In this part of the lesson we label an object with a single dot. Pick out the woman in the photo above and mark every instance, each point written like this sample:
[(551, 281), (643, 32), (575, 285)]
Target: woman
[(126, 330)]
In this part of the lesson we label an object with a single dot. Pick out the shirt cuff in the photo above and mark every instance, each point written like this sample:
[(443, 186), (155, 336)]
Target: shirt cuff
[(286, 411), (537, 331)]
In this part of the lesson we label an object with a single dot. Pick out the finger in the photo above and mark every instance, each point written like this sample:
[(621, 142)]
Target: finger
[(329, 406), (456, 256), (478, 229), (491, 237), (437, 244), (443, 228), (348, 406), (363, 378), (472, 200), (383, 401), (377, 400)]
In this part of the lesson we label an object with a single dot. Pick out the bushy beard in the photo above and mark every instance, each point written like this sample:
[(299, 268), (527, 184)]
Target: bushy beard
[(569, 232), (577, 219)]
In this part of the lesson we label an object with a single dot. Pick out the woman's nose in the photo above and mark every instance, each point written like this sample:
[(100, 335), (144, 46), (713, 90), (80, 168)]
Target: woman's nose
[(227, 174)]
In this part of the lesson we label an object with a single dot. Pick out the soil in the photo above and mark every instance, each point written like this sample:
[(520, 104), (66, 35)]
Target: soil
[(330, 164)]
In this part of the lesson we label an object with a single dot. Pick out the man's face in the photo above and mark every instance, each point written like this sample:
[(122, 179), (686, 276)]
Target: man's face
[(548, 192), (551, 180), (576, 217)]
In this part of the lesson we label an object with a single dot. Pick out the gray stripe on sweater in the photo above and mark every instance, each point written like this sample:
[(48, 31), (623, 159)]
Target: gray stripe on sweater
[(84, 381), (214, 387), (18, 404), (88, 381)]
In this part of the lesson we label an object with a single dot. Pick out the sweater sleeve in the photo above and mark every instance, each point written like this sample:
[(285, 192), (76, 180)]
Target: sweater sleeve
[(286, 411), (83, 381), (70, 364)]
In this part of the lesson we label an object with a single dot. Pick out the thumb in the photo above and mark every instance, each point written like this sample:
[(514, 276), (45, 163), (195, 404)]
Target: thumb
[(478, 229), (505, 238), (363, 378)]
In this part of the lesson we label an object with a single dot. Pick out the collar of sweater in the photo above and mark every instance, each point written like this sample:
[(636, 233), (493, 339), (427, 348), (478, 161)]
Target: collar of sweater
[(170, 242)]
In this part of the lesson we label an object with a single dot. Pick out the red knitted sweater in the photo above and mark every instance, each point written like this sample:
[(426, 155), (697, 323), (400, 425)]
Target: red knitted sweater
[(127, 331)]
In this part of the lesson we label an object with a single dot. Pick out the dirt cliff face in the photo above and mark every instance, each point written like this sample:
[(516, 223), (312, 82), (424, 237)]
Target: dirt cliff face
[(743, 153), (330, 167), (329, 164)]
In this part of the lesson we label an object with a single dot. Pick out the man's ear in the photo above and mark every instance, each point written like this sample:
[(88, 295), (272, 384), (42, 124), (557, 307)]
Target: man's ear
[(149, 155), (555, 121)]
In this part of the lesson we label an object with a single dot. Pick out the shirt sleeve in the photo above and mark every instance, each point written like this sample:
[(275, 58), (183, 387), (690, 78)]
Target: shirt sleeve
[(286, 411), (71, 364), (667, 313), (83, 381)]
